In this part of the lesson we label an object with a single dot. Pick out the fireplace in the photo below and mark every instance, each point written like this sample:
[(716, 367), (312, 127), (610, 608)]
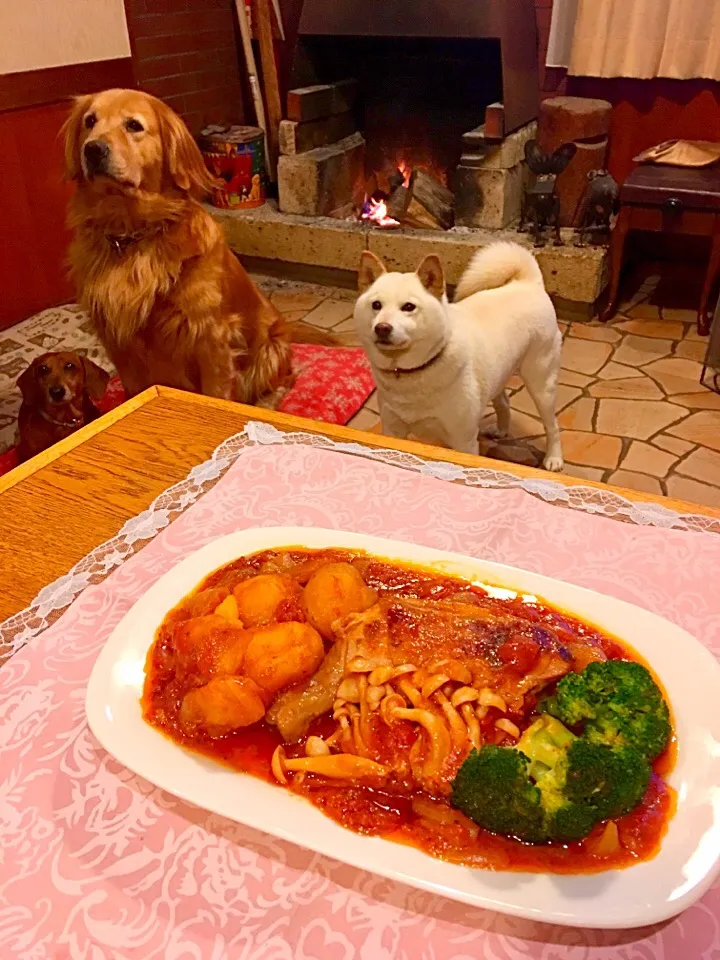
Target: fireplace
[(429, 90)]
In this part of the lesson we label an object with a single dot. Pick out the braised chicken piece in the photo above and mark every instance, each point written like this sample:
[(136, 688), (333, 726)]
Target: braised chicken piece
[(282, 655), (208, 646), (336, 590), (221, 706)]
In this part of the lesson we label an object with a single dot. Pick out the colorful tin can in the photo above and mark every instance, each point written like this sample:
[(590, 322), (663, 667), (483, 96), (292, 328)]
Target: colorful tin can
[(236, 155)]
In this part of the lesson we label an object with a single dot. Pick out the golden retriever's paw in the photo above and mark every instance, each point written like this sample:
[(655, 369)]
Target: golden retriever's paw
[(553, 464)]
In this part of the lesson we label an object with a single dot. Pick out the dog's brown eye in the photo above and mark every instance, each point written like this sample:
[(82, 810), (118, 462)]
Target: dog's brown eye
[(43, 371), (70, 366), (376, 305), (134, 126), (90, 121), (407, 307)]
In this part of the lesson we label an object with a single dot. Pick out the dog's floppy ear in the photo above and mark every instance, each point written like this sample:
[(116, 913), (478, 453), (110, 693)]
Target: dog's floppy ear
[(371, 267), (96, 379), (71, 132), (431, 276), (183, 161), (28, 386)]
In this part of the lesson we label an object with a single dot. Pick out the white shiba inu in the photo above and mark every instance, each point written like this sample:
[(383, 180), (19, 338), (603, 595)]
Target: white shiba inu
[(438, 364)]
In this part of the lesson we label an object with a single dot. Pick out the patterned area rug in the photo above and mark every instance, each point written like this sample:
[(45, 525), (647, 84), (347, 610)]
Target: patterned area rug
[(331, 383)]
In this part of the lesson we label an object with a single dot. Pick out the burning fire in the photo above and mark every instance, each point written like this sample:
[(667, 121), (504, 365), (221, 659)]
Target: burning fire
[(376, 211), (374, 207)]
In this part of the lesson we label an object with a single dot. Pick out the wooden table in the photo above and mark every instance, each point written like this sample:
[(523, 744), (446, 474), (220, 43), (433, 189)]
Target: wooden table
[(64, 503)]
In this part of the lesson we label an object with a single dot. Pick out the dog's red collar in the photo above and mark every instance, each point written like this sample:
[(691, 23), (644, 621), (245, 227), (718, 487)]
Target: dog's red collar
[(75, 422), (423, 366)]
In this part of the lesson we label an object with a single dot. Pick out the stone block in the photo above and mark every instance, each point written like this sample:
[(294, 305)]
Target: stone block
[(496, 156), (298, 137), (569, 119), (488, 198), (321, 100), (324, 182)]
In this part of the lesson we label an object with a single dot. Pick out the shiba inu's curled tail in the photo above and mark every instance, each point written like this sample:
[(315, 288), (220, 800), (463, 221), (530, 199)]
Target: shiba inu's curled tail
[(496, 265)]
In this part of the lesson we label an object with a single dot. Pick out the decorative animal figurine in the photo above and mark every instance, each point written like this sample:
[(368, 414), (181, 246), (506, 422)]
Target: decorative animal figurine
[(600, 202), (541, 204)]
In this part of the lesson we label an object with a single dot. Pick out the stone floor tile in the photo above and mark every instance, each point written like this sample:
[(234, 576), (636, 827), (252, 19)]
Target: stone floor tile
[(604, 333), (583, 473), (346, 333), (633, 388), (646, 458), (522, 425), (673, 444), (290, 300), (702, 464), (676, 375), (707, 400), (683, 488), (639, 419), (364, 420), (330, 313), (702, 428), (691, 350), (635, 481), (660, 329), (637, 351), (618, 371), (572, 379), (692, 334), (584, 356), (524, 402), (683, 314), (591, 449), (579, 415), (372, 403), (644, 311)]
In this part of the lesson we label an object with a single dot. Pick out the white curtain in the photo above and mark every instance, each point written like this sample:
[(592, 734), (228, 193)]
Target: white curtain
[(562, 29), (679, 39)]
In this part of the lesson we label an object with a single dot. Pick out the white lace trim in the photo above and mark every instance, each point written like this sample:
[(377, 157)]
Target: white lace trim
[(138, 531)]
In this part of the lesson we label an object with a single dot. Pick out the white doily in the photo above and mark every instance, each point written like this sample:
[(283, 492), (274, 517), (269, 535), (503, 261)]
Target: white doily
[(16, 631)]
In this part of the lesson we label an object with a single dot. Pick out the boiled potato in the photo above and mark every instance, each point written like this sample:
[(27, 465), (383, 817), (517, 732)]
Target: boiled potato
[(208, 646), (282, 655), (198, 604), (221, 706), (259, 598), (228, 609), (335, 591)]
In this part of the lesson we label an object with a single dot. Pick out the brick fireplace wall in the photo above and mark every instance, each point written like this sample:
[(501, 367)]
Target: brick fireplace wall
[(187, 52)]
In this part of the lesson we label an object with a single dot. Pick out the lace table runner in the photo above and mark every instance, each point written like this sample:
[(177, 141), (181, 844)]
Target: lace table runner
[(97, 863)]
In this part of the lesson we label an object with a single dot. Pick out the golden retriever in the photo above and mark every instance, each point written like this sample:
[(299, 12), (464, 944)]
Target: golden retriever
[(171, 303)]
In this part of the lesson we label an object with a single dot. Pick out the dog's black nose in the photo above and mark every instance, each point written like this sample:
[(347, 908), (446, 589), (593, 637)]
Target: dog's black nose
[(383, 332), (96, 154), (57, 393)]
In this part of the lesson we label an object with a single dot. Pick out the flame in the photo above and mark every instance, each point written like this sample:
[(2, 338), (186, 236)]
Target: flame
[(376, 210), (406, 171)]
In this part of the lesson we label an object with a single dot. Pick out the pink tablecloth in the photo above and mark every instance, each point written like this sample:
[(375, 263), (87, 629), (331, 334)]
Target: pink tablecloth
[(96, 863)]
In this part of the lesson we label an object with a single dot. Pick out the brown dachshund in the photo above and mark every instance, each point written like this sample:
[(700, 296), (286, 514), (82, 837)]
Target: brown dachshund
[(58, 390)]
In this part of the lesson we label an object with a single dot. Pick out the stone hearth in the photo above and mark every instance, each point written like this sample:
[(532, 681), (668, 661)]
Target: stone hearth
[(574, 276)]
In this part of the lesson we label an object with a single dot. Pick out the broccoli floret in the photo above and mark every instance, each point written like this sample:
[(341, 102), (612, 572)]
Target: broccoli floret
[(617, 704), (551, 785), (493, 789)]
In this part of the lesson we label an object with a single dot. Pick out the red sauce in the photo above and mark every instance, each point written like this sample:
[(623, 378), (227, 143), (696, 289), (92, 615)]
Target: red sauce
[(389, 812)]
